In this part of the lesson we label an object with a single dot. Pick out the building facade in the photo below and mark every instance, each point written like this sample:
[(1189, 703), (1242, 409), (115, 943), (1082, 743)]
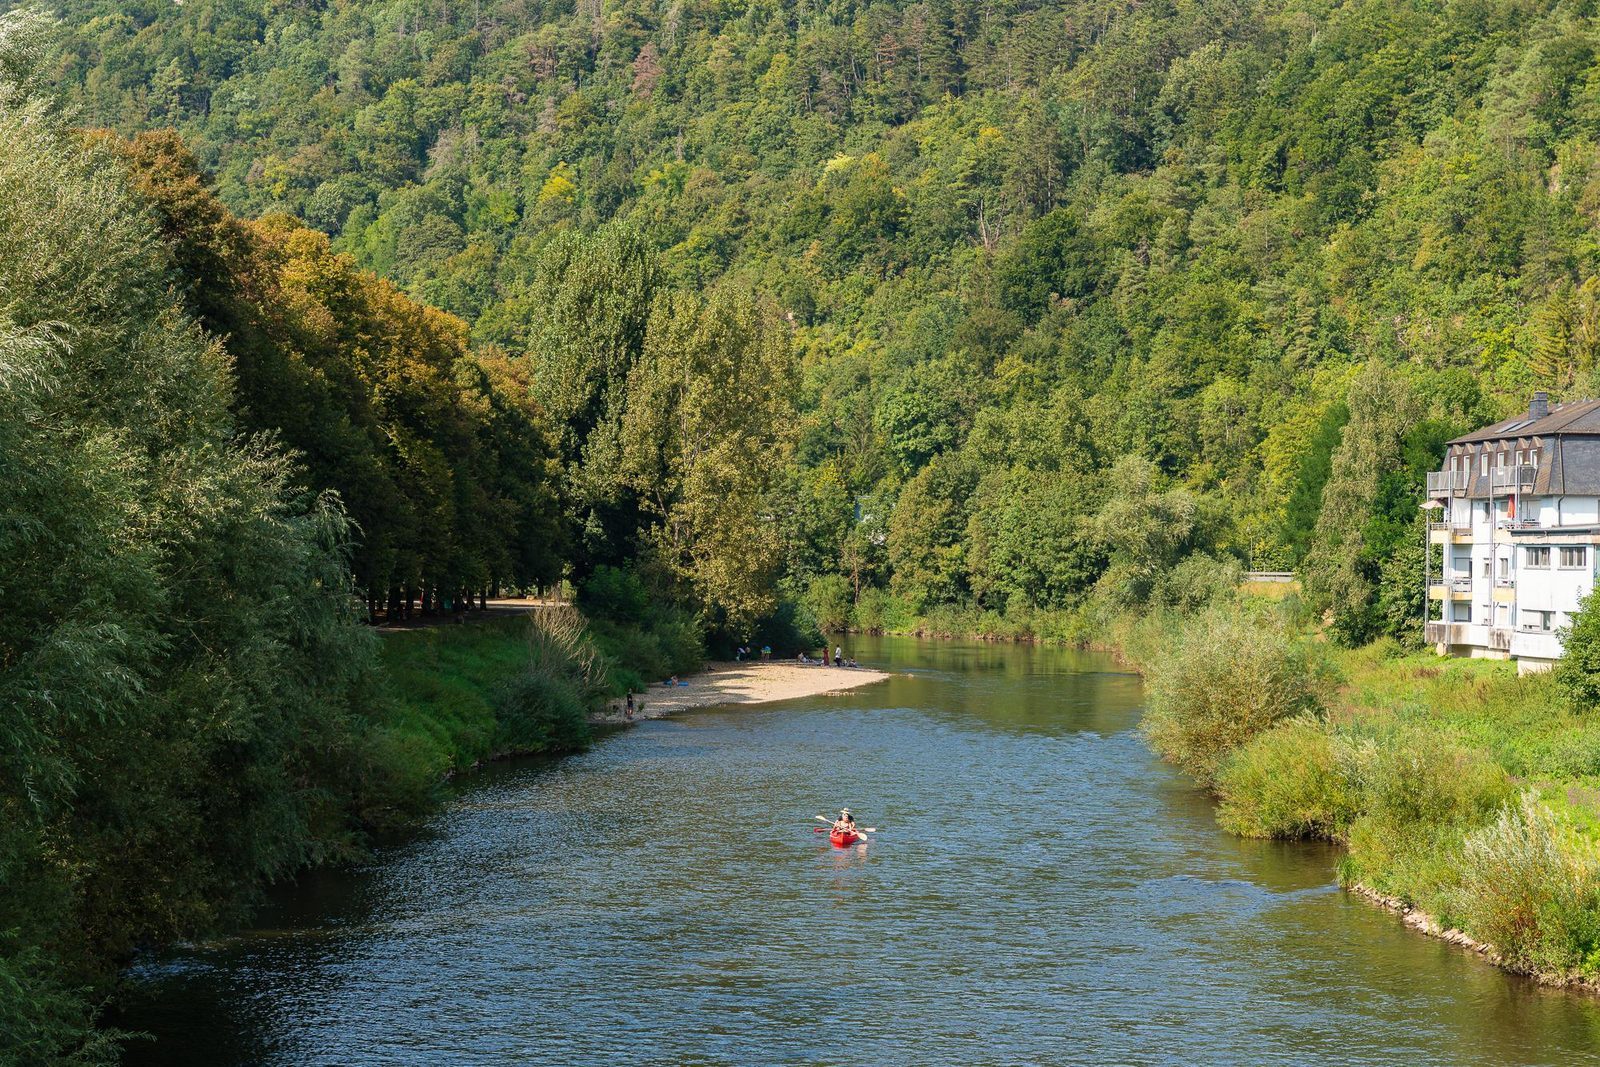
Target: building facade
[(1514, 527)]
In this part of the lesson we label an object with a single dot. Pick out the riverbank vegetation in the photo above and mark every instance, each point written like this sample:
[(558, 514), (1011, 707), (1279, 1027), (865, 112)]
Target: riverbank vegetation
[(1456, 786), (456, 696), (192, 706)]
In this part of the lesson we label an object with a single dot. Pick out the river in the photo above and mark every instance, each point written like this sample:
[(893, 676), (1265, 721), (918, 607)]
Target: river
[(1041, 890)]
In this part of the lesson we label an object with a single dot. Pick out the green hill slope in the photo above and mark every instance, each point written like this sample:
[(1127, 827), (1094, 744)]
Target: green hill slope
[(1015, 241)]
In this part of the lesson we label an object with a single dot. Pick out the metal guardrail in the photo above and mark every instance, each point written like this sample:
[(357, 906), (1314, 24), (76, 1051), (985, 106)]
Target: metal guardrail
[(1269, 576)]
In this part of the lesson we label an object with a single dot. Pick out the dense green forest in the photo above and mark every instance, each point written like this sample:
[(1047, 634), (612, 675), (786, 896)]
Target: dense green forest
[(1075, 290), (892, 315)]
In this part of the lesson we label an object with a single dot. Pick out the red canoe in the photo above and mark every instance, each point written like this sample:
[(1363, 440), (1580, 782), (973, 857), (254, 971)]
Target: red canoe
[(843, 838)]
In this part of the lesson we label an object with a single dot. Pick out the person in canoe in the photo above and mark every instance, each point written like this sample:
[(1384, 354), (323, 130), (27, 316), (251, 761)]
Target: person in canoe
[(845, 821)]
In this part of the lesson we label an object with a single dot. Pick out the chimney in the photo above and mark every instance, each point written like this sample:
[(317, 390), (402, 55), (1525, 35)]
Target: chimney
[(1540, 406)]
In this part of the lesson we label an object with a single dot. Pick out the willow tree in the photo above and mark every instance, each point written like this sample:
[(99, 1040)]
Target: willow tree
[(179, 657)]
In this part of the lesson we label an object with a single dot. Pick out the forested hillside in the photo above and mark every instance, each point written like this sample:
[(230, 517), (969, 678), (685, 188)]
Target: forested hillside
[(1017, 243)]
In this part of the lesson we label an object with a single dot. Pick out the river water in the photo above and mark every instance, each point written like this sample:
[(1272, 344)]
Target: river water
[(1041, 891)]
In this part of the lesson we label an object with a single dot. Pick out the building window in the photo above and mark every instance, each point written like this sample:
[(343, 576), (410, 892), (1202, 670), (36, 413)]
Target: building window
[(1536, 556), (1485, 568), (1522, 457), (1538, 621), (1572, 557), (1484, 464), (1460, 612)]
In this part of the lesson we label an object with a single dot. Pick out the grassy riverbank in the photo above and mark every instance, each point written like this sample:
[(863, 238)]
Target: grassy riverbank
[(1459, 789), (455, 696)]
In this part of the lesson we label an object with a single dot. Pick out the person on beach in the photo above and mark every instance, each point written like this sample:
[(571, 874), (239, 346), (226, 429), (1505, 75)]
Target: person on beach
[(627, 709), (838, 656)]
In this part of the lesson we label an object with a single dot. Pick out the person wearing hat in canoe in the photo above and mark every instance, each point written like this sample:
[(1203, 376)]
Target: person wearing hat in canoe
[(845, 821)]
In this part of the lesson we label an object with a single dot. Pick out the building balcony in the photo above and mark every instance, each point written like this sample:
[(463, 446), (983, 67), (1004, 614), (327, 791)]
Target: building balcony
[(1456, 633), (1447, 482), (1512, 479), (1535, 644)]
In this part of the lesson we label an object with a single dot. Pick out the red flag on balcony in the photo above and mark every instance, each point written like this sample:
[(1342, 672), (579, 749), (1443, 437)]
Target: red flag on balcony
[(1511, 507)]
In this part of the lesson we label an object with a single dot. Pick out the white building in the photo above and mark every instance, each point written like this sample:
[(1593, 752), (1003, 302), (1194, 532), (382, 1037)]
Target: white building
[(1514, 550)]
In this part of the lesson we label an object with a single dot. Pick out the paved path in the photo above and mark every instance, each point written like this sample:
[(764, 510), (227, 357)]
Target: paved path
[(498, 609)]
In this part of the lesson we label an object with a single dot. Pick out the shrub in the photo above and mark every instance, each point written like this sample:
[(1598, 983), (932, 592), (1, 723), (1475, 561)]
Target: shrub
[(1416, 776), (1413, 861), (877, 612), (542, 711), (829, 599), (1228, 678), (1531, 888), (1293, 781), (1198, 581), (614, 594), (682, 646), (545, 708)]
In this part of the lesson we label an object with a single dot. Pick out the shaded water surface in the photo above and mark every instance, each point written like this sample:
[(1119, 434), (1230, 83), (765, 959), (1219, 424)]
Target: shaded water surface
[(1042, 891)]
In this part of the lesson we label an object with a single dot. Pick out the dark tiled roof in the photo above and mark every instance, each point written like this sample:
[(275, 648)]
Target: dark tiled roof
[(1576, 417)]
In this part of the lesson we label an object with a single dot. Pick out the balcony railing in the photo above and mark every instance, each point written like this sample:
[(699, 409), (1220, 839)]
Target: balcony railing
[(1447, 482), (1513, 479), (1454, 583), (1445, 633)]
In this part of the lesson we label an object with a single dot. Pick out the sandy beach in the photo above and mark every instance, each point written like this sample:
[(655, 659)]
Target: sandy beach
[(757, 682)]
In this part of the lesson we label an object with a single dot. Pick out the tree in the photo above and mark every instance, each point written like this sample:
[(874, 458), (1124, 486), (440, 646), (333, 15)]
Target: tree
[(706, 433), (1365, 484), (1577, 672), (927, 531), (182, 668), (1145, 530)]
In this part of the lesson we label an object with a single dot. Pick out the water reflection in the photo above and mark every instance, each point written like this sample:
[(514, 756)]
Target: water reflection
[(1042, 891)]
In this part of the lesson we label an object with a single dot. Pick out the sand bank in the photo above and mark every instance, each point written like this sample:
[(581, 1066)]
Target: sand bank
[(756, 682)]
